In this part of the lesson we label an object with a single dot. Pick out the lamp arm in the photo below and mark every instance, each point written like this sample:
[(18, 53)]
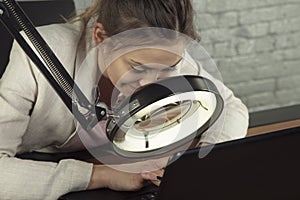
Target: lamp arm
[(14, 19)]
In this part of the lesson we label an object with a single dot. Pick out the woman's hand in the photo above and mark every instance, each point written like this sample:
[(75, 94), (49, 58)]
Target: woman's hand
[(153, 176), (106, 177)]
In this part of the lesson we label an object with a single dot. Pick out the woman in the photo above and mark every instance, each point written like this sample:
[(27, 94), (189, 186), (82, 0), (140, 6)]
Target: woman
[(33, 118)]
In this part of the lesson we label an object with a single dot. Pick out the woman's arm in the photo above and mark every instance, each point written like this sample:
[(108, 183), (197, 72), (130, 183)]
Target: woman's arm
[(23, 179)]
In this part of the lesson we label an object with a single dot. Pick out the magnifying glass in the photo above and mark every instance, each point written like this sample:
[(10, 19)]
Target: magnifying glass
[(163, 116)]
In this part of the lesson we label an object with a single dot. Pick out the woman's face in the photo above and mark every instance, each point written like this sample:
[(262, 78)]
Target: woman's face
[(141, 67)]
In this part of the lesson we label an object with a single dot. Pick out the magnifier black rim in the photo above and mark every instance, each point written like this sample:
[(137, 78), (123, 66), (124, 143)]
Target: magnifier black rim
[(155, 92)]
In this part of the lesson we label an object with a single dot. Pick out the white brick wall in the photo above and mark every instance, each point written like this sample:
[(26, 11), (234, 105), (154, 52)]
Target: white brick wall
[(256, 45), (81, 5)]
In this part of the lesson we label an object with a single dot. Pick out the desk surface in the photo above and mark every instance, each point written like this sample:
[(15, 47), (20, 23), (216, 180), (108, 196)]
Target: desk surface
[(273, 120), (272, 127)]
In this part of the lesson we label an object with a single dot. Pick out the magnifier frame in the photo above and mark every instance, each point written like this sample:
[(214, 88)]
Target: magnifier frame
[(154, 92)]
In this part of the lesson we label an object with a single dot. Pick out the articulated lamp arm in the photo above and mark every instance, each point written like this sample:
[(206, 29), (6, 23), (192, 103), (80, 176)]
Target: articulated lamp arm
[(14, 19)]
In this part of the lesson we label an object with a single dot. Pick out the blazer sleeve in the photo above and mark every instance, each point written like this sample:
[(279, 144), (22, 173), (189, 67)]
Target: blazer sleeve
[(26, 179)]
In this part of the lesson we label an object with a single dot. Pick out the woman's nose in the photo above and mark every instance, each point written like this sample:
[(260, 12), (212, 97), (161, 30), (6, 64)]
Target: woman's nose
[(150, 77)]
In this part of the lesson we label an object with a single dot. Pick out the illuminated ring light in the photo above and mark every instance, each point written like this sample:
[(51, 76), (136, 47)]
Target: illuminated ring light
[(163, 116)]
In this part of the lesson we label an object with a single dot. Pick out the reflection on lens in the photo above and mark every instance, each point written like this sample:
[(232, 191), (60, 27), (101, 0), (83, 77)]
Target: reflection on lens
[(162, 117), (120, 136)]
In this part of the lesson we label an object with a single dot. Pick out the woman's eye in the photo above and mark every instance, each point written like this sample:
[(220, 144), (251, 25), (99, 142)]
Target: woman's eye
[(170, 69), (138, 69)]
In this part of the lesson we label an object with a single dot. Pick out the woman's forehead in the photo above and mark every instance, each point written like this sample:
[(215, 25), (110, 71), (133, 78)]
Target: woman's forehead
[(152, 55)]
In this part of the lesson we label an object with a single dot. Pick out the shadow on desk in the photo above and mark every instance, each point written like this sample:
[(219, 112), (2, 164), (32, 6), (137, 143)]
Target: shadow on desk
[(84, 155)]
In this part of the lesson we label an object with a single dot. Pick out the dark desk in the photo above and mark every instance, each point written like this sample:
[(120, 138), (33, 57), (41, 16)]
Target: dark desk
[(260, 123), (270, 123), (272, 171)]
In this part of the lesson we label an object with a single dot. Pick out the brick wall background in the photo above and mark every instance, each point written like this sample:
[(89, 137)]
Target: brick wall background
[(256, 45)]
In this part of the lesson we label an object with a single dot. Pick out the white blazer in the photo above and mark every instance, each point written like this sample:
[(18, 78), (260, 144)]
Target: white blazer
[(34, 118)]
